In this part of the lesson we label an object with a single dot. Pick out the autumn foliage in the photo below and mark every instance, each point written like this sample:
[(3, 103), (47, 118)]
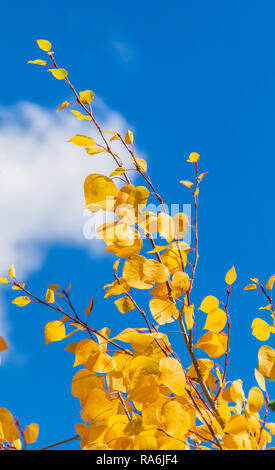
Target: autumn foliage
[(134, 391)]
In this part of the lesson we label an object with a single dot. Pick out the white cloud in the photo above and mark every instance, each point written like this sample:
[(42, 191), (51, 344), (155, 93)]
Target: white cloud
[(126, 52), (41, 182)]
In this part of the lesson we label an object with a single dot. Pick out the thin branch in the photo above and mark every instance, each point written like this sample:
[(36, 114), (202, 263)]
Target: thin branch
[(60, 443)]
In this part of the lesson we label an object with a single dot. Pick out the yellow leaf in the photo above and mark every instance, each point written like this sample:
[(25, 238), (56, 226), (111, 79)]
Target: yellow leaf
[(12, 272), (133, 273), (90, 307), (129, 137), (82, 141), (157, 249), (84, 381), (209, 304), (60, 74), (250, 287), (205, 366), (202, 175), (260, 379), (180, 284), (270, 282), (175, 256), (21, 301), (165, 226), (255, 400), (231, 276), (271, 427), (115, 137), (175, 418), (260, 329), (64, 105), (140, 163), (130, 201), (148, 365), (193, 157), (19, 287), (8, 430), (188, 184), (100, 363), (154, 271), (121, 239), (172, 375), (95, 151), (237, 424), (44, 45), (118, 287), (50, 296), (115, 266), (181, 224), (215, 321), (124, 304), (37, 62), (100, 192), (163, 310), (3, 344), (53, 286), (266, 365), (118, 172), (86, 96), (98, 405), (31, 433), (214, 344), (148, 222), (4, 280), (189, 316), (54, 331), (266, 307), (80, 116)]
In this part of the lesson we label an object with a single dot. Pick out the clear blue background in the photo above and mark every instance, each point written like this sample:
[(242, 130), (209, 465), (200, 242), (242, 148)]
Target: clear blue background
[(195, 76)]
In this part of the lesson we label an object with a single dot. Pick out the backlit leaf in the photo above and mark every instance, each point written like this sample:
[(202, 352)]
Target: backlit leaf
[(172, 375), (60, 74), (124, 304), (163, 310), (54, 331), (44, 45), (270, 282), (100, 192), (260, 379), (140, 163), (82, 141), (50, 296), (231, 276), (21, 301), (37, 62), (215, 321), (255, 400), (260, 329), (12, 272), (193, 157), (129, 137), (209, 304), (86, 96), (31, 433), (80, 116), (266, 365), (188, 184), (64, 105)]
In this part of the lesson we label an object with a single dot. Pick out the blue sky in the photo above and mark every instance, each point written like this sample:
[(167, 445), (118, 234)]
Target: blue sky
[(185, 76)]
